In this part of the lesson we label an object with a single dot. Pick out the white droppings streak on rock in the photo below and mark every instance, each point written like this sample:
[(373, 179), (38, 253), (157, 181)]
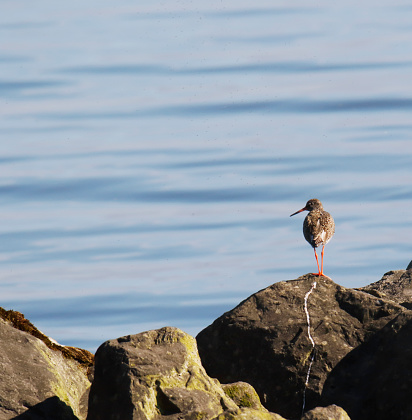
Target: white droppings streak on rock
[(313, 287)]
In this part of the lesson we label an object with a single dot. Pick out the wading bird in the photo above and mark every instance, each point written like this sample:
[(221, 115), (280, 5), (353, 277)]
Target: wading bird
[(318, 228)]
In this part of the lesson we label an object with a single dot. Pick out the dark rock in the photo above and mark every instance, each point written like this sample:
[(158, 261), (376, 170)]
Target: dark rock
[(374, 380), (332, 412), (52, 408), (409, 267), (394, 285), (40, 379), (264, 340)]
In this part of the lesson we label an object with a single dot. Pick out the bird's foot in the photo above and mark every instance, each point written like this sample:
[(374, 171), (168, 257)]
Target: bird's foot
[(321, 275)]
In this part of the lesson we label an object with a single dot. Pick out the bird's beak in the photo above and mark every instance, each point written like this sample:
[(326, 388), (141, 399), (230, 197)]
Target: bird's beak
[(304, 208)]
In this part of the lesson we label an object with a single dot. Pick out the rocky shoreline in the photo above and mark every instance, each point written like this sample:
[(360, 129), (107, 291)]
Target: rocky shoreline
[(251, 363)]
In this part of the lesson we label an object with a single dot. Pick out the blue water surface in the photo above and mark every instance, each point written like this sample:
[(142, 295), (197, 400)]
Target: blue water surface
[(151, 154)]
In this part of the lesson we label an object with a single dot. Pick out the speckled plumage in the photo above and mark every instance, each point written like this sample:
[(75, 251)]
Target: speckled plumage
[(318, 227)]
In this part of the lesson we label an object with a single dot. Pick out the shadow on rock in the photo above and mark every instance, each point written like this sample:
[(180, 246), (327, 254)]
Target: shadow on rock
[(50, 409), (373, 381)]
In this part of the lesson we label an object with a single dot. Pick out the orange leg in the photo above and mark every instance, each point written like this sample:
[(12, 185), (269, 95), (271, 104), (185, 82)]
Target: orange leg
[(320, 270), (317, 262), (323, 251)]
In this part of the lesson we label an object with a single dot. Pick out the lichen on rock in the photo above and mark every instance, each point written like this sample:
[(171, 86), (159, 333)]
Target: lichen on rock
[(38, 377), (152, 374)]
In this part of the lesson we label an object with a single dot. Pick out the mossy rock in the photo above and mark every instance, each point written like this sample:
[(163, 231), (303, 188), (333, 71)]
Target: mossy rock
[(247, 399), (18, 321), (152, 375), (249, 414), (243, 394), (38, 380)]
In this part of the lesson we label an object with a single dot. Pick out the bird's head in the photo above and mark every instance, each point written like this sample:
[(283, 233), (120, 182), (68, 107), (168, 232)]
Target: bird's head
[(312, 204)]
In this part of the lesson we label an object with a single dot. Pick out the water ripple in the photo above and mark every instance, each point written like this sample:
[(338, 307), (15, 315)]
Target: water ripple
[(223, 13), (8, 87), (286, 107), (87, 190), (248, 107), (95, 190), (271, 67)]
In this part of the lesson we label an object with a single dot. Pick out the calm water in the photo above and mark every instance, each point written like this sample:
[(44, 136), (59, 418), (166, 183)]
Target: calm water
[(151, 155)]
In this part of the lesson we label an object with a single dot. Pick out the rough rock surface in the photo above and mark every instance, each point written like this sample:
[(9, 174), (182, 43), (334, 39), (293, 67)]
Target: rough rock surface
[(158, 374), (39, 379), (244, 395), (394, 285), (374, 381), (332, 412), (247, 399), (264, 340)]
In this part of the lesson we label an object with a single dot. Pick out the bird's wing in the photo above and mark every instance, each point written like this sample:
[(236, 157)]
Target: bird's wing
[(319, 228), (327, 229)]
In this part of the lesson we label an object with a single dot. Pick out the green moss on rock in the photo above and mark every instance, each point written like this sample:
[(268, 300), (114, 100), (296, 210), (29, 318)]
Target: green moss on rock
[(243, 394)]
